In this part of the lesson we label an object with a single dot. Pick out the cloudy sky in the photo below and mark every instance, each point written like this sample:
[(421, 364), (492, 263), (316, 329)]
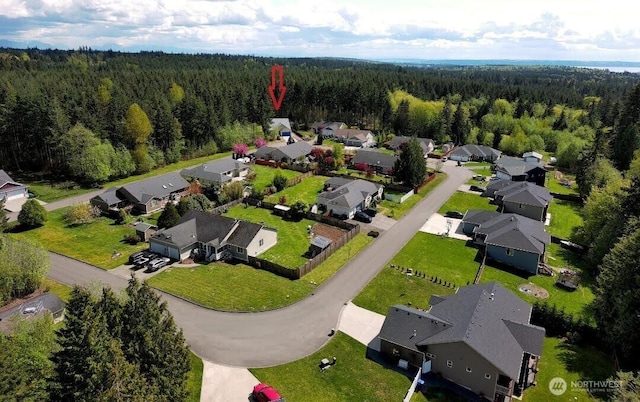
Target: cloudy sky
[(369, 29)]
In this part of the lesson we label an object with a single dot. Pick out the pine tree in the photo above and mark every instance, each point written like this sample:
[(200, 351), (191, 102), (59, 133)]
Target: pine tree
[(410, 168), (3, 216), (169, 216), (626, 136)]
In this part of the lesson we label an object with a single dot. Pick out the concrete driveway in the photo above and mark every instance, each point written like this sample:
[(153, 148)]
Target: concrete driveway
[(437, 224), (222, 383), (361, 324)]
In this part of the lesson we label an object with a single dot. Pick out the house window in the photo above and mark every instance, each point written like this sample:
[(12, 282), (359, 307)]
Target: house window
[(430, 355), (395, 352), (468, 369), (261, 242), (449, 363), (487, 376), (521, 206), (510, 252), (240, 249)]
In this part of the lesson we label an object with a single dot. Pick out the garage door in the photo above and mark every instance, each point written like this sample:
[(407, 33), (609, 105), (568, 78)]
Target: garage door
[(13, 195), (171, 252)]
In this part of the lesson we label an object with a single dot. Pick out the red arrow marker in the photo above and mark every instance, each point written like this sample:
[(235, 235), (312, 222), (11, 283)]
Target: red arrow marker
[(277, 100)]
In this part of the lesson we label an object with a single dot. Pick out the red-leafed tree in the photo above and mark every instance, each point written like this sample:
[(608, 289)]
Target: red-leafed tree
[(240, 149), (260, 142), (317, 153), (362, 167)]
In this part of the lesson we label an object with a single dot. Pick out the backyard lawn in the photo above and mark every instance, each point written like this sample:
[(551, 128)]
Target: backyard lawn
[(265, 175), (352, 378), (447, 259), (565, 218), (93, 243), (293, 239), (232, 287), (397, 211), (554, 185), (462, 202), (306, 191)]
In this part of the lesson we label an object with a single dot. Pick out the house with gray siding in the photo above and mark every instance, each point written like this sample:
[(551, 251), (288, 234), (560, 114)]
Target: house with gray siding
[(219, 171), (507, 238), (472, 152), (479, 338), (354, 137), (345, 197), (212, 238), (281, 125), (288, 153), (523, 198)]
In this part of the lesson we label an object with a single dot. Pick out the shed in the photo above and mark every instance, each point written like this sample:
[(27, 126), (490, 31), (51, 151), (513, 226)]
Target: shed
[(318, 244), (281, 210), (144, 230)]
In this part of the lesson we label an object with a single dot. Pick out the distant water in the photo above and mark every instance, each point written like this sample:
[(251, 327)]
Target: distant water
[(613, 66), (615, 69)]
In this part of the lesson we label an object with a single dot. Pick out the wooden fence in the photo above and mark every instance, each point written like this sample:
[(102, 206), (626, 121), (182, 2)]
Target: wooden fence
[(429, 179), (223, 208), (295, 180)]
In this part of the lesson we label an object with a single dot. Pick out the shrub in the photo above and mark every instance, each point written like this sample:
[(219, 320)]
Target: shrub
[(32, 214), (282, 200), (121, 217), (132, 239), (80, 214), (279, 182)]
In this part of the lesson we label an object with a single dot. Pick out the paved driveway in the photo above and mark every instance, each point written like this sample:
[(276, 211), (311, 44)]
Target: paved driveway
[(437, 224)]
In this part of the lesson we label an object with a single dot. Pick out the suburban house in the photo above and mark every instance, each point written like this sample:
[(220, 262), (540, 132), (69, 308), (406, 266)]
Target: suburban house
[(345, 197), (282, 126), (508, 238), (447, 147), (354, 138), (426, 144), (479, 338), (327, 128), (219, 171), (11, 191), (212, 237), (532, 157), (472, 152), (144, 196), (288, 153), (379, 161), (520, 169), (520, 197), (37, 307)]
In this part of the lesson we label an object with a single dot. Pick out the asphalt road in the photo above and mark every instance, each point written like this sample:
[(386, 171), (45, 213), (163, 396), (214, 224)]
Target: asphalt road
[(284, 335)]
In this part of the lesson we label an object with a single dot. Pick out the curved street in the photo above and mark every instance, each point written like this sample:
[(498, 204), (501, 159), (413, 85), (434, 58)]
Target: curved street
[(284, 335)]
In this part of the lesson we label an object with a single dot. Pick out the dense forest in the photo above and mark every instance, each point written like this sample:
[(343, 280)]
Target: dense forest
[(93, 116)]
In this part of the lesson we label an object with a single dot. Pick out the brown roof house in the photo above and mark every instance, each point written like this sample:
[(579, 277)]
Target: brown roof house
[(479, 338)]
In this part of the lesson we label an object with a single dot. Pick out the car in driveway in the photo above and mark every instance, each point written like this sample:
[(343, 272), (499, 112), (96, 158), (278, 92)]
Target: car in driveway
[(454, 214), (266, 393), (362, 217), (158, 263), (476, 188)]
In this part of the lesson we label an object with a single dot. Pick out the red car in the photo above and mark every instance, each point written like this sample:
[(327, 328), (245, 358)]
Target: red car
[(266, 393)]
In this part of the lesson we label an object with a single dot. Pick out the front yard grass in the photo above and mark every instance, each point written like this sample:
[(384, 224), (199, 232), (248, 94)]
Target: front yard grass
[(265, 175), (572, 363), (93, 242), (58, 289), (447, 259), (194, 378), (565, 218), (293, 239), (306, 191), (462, 202), (353, 378), (230, 287), (397, 211)]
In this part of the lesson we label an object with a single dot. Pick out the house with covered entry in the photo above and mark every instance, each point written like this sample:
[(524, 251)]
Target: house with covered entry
[(354, 138), (472, 152), (427, 144), (12, 192), (219, 171), (507, 238), (289, 153), (479, 338), (344, 197), (212, 238), (520, 197), (377, 161)]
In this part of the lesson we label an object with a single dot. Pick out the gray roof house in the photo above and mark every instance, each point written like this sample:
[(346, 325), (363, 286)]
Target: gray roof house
[(354, 138), (522, 198), (213, 237), (288, 153), (11, 190), (510, 239), (35, 307), (479, 338), (109, 200), (472, 152), (520, 169), (344, 197), (427, 144), (220, 171), (379, 161), (281, 125)]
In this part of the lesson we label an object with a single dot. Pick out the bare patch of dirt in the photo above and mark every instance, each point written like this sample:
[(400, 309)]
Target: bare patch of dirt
[(534, 290), (330, 232)]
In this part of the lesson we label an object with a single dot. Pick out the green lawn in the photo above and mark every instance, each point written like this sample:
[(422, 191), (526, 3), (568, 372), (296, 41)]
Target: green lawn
[(462, 202), (446, 258), (265, 175), (565, 218), (58, 289), (572, 363), (194, 378), (48, 191), (352, 378), (306, 191), (477, 164), (554, 185), (232, 287), (396, 211), (357, 174), (482, 171), (93, 243), (293, 240)]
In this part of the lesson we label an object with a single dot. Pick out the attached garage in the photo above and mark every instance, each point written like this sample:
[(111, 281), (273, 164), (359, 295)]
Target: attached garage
[(11, 190)]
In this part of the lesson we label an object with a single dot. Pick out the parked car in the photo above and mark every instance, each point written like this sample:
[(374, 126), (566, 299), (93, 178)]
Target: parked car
[(373, 233), (158, 263), (135, 256), (140, 262), (476, 188), (266, 393), (371, 212), (362, 217), (454, 214)]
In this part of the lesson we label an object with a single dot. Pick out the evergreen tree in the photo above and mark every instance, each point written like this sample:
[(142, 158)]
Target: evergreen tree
[(459, 126), (629, 389), (626, 140), (169, 216), (32, 214), (3, 216), (410, 168)]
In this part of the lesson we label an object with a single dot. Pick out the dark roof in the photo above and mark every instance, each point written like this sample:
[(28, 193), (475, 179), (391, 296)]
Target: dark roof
[(197, 226), (155, 187), (291, 151), (244, 234), (321, 242), (264, 152), (487, 317), (495, 185), (349, 133), (374, 158), (109, 196), (480, 151), (516, 166), (143, 226), (524, 192), (47, 301), (400, 139), (516, 232), (349, 193), (5, 178), (213, 171), (479, 216)]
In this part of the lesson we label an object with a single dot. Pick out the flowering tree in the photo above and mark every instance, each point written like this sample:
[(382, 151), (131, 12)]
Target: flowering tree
[(361, 167), (240, 149), (260, 142)]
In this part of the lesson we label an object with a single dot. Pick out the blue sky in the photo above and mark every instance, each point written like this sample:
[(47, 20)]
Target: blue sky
[(409, 29)]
